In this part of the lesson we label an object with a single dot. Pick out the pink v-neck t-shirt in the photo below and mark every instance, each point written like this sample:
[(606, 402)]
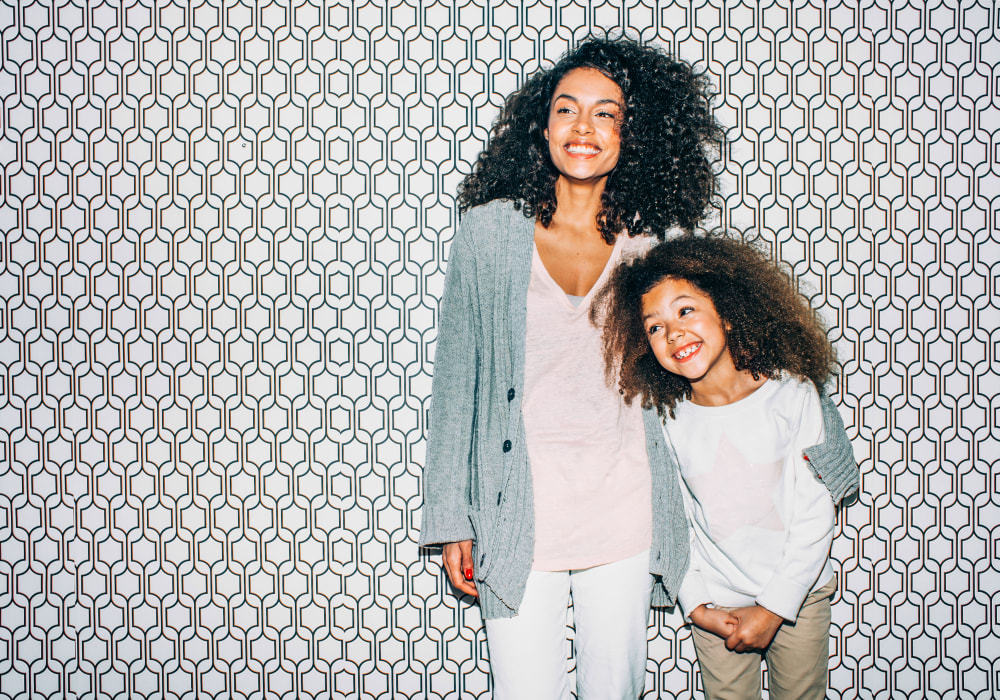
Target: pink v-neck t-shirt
[(590, 470)]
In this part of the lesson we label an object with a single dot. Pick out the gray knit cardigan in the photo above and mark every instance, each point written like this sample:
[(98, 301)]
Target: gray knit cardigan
[(477, 478)]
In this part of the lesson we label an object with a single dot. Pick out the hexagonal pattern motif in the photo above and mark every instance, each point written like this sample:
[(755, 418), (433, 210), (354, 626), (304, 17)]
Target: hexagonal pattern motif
[(224, 229)]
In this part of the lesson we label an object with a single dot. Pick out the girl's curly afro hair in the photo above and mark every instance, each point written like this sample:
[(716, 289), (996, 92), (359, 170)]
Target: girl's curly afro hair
[(664, 174), (770, 327)]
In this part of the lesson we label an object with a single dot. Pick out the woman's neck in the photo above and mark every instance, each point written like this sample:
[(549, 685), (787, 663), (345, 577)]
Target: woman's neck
[(577, 206), (571, 247)]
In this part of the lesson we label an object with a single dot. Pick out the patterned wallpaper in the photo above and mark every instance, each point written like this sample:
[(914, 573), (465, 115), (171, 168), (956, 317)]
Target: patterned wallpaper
[(224, 230)]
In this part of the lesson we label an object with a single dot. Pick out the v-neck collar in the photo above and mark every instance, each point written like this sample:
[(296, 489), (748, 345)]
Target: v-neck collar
[(547, 279)]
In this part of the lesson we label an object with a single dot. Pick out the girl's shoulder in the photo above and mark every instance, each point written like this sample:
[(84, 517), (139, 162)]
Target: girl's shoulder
[(796, 405), (794, 392), (794, 385)]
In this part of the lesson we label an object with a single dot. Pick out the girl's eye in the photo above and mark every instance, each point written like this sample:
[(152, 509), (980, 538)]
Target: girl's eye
[(652, 329), (685, 311)]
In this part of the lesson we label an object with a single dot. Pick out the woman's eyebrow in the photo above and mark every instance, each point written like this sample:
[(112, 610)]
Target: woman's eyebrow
[(606, 100)]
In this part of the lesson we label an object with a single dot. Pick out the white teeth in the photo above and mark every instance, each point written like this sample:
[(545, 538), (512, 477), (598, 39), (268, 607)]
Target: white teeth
[(581, 149), (687, 351)]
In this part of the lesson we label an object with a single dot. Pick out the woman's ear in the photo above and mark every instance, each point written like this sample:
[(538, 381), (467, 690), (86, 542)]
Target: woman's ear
[(545, 133)]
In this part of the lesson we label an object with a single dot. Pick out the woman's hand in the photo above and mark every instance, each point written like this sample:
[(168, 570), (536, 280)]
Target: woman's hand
[(457, 561), (757, 628), (715, 620)]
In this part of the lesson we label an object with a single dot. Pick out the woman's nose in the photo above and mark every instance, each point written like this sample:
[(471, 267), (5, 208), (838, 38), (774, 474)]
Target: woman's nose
[(582, 124)]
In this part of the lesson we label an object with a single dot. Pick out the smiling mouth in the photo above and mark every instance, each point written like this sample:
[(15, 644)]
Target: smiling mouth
[(577, 149), (687, 351)]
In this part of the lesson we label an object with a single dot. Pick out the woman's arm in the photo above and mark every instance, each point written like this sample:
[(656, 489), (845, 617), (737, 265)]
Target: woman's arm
[(448, 465), (832, 461)]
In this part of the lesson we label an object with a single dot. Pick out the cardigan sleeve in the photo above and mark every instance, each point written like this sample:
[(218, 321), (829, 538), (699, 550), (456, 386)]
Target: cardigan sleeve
[(447, 470), (832, 461)]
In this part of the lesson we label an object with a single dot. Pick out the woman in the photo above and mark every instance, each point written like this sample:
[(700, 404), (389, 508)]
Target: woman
[(539, 481)]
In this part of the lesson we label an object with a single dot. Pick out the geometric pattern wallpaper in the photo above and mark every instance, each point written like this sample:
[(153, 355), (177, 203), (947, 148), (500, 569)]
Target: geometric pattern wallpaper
[(224, 233)]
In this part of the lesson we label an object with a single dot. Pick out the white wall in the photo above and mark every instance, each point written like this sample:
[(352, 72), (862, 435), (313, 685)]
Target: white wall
[(224, 234)]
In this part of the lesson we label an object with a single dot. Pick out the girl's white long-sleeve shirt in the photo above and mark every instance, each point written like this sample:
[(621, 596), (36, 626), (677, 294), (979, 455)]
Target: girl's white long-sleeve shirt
[(761, 523)]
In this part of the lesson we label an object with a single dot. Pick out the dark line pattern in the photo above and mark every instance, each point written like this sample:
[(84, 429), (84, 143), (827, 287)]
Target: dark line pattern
[(224, 230)]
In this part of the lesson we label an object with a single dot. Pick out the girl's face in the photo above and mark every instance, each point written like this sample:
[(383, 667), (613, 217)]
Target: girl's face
[(686, 334), (585, 115)]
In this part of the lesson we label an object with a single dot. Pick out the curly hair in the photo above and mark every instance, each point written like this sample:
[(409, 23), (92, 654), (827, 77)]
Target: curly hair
[(770, 327), (664, 175)]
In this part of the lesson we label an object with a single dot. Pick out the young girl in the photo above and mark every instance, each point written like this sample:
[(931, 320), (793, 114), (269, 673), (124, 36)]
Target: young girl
[(715, 336)]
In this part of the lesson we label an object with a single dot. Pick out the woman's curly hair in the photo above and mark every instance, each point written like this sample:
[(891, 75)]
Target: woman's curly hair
[(664, 175), (770, 327)]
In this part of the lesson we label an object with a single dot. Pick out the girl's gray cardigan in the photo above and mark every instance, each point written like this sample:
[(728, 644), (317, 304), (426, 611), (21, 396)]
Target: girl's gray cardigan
[(477, 479)]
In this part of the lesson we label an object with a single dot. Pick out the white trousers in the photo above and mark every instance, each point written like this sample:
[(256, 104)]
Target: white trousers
[(529, 653)]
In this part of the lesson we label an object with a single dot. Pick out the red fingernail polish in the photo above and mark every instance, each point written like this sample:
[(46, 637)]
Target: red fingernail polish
[(468, 574)]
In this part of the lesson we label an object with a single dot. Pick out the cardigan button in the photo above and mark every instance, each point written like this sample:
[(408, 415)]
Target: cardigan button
[(506, 445), (510, 394)]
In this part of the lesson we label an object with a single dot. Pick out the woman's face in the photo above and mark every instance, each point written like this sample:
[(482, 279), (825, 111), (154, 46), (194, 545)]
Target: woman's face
[(584, 127)]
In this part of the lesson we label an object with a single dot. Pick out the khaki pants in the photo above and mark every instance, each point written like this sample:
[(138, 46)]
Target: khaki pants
[(797, 659)]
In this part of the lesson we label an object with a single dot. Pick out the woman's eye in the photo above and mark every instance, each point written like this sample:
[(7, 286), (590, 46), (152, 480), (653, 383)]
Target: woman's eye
[(563, 110)]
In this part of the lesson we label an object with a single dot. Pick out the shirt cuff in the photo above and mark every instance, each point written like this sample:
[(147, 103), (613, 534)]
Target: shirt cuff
[(693, 592), (783, 597)]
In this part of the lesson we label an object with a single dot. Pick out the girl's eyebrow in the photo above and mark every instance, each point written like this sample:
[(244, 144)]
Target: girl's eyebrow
[(679, 297)]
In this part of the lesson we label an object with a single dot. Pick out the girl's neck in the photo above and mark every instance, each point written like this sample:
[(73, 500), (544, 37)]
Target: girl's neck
[(723, 391)]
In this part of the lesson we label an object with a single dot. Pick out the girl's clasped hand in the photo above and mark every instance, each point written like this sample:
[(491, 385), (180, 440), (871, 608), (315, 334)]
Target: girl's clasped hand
[(749, 628)]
